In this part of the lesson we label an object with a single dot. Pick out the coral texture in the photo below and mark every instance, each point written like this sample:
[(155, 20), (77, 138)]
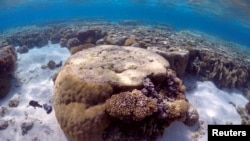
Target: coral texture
[(7, 67), (150, 107), (131, 105), (92, 76), (78, 48), (7, 59), (221, 69), (100, 90), (177, 57)]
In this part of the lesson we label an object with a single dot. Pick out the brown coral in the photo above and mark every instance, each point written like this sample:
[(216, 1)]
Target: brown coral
[(225, 71), (73, 42), (131, 105), (177, 110), (129, 42), (7, 66), (78, 48), (4, 84), (92, 76), (111, 93), (7, 59), (172, 87)]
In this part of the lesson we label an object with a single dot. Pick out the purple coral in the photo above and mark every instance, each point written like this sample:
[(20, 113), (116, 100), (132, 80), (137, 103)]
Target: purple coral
[(149, 88), (143, 114), (172, 86)]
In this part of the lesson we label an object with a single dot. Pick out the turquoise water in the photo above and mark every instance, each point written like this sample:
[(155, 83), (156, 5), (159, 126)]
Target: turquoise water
[(227, 20)]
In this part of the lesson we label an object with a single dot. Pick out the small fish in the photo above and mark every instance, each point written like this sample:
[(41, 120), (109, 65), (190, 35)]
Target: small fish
[(35, 104)]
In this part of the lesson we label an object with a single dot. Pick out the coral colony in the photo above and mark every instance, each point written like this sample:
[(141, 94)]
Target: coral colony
[(114, 82)]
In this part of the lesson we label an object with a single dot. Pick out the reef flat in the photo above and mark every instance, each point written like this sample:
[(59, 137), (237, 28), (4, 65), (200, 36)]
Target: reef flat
[(188, 54)]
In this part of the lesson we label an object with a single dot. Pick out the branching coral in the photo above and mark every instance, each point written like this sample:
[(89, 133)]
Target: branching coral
[(152, 106), (131, 105)]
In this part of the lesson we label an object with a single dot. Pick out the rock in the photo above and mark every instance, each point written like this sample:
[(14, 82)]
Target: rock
[(3, 43), (129, 42), (54, 77), (120, 41), (110, 40), (3, 124), (55, 38), (7, 59), (142, 44), (178, 58), (43, 66), (100, 42), (73, 42), (3, 110), (59, 64), (47, 108), (246, 93), (13, 103), (31, 37), (26, 126), (51, 64), (95, 77), (23, 49), (90, 36), (68, 32), (78, 48), (63, 42), (90, 77), (7, 66), (248, 107), (5, 84), (243, 114), (192, 117), (224, 71)]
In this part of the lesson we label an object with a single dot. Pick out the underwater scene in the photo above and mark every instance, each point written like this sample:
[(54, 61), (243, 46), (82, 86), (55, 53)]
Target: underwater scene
[(123, 70)]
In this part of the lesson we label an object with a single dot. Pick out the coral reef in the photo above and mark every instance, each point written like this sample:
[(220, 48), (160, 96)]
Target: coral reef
[(78, 48), (23, 49), (101, 89), (72, 42), (90, 36), (7, 67), (224, 71), (147, 108), (31, 37), (3, 124), (243, 112), (55, 38), (177, 57), (248, 107), (7, 59), (129, 42), (5, 83), (131, 106)]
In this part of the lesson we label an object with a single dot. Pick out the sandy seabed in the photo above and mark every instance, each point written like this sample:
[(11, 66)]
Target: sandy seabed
[(31, 82)]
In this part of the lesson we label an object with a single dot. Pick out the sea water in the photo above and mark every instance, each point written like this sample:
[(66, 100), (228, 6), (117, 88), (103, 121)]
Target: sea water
[(227, 20), (224, 20)]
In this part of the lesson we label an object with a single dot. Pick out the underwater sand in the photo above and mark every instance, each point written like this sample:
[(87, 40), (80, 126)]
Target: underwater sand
[(33, 83)]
